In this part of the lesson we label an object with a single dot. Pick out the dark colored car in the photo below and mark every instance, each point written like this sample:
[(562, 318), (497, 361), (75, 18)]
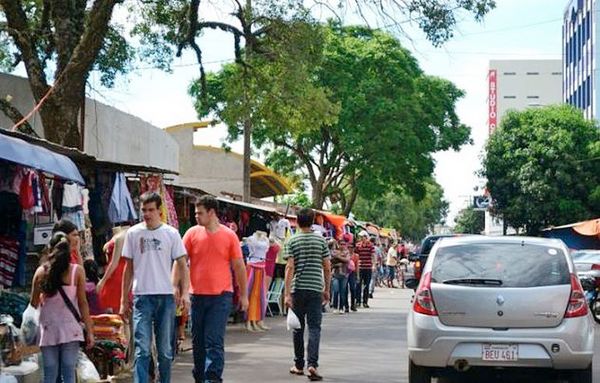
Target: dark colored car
[(425, 249)]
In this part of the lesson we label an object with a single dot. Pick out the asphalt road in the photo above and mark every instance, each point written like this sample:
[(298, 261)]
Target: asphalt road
[(367, 346)]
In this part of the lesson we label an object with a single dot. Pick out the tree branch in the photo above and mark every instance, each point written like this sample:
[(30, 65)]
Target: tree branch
[(15, 116), (303, 157), (18, 29), (89, 45)]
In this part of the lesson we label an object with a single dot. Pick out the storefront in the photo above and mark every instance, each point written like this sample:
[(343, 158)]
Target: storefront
[(40, 183)]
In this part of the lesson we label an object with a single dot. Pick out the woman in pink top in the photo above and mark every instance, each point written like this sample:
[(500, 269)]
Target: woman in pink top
[(60, 332)]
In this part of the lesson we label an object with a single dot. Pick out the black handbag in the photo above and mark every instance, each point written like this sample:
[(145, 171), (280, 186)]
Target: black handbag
[(75, 314)]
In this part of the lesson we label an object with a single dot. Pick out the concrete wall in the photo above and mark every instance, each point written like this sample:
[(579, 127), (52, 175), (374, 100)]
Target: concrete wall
[(210, 169), (110, 134)]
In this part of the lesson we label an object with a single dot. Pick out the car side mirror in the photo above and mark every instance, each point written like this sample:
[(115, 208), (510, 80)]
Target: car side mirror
[(411, 283)]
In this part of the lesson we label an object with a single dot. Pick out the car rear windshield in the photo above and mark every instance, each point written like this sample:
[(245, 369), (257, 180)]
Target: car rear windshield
[(505, 265)]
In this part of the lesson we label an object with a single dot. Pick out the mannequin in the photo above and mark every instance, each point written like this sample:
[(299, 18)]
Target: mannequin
[(258, 245)]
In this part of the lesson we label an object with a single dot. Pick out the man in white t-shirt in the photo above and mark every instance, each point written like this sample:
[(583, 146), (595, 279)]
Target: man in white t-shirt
[(152, 249)]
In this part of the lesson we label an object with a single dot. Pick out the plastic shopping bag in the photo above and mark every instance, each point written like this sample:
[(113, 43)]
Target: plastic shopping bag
[(86, 371), (30, 326), (293, 323)]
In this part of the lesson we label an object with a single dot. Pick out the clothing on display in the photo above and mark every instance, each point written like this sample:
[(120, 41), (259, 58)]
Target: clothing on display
[(121, 208), (258, 245), (279, 229), (9, 258), (154, 183), (72, 205), (257, 302)]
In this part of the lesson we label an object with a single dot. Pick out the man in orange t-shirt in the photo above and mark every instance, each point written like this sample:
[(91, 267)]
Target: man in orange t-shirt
[(213, 250)]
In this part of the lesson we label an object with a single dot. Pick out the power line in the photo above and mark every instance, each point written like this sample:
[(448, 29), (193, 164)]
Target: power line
[(518, 27)]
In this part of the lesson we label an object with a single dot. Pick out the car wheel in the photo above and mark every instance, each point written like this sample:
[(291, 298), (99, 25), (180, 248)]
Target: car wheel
[(419, 374), (581, 376)]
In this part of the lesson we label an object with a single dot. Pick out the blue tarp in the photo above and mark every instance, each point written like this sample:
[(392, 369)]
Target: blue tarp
[(23, 153)]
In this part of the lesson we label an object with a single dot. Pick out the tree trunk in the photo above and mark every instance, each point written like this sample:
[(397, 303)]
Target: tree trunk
[(350, 201), (60, 117), (247, 194)]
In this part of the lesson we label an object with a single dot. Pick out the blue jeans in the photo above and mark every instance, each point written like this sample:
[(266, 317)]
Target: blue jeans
[(339, 283), (156, 311), (209, 319), (351, 289), (307, 306), (64, 354)]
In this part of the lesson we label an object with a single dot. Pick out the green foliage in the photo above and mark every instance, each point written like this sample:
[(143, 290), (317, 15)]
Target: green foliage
[(299, 198), (542, 168), (470, 221), (114, 58), (413, 219)]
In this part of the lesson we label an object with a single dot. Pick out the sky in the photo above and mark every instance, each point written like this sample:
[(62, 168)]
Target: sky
[(516, 29)]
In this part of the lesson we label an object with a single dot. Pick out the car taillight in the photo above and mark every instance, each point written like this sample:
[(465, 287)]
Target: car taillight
[(423, 298), (577, 304), (595, 266)]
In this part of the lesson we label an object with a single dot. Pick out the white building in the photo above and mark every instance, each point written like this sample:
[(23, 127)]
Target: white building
[(580, 33), (110, 134), (518, 85)]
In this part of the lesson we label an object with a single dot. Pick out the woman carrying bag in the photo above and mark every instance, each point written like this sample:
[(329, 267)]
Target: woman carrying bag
[(58, 289)]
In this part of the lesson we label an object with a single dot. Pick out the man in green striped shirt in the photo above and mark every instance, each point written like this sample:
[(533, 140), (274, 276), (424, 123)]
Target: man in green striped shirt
[(307, 282)]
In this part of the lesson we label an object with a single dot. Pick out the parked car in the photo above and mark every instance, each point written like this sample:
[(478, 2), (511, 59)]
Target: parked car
[(586, 260), (500, 303)]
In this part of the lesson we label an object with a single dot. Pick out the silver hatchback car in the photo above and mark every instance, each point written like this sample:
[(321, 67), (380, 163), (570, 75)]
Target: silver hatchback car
[(500, 303)]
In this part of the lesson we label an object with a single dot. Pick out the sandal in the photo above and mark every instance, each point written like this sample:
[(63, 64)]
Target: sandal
[(296, 371), (313, 375)]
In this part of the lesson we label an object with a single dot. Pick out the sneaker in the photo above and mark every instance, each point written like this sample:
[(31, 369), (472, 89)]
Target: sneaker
[(353, 308), (365, 305), (340, 312), (346, 311)]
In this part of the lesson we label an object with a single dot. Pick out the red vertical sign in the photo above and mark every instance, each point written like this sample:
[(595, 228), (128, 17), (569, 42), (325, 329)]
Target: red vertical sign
[(492, 105)]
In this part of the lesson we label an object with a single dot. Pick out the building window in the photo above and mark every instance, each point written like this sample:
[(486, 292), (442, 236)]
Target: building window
[(533, 73), (533, 97), (509, 73), (510, 97)]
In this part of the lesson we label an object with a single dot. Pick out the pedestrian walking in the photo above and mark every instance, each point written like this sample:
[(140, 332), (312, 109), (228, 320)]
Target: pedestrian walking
[(307, 283), (58, 289), (151, 250), (352, 289), (391, 263), (366, 255), (214, 250), (340, 257)]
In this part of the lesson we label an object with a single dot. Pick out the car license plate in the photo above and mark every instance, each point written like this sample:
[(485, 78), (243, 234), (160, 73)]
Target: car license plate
[(500, 352)]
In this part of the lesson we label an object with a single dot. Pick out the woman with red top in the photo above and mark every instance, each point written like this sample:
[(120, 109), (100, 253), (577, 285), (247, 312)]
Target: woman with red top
[(109, 287), (69, 228)]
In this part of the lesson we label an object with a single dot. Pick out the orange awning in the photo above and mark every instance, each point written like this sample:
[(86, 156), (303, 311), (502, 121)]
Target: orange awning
[(591, 227)]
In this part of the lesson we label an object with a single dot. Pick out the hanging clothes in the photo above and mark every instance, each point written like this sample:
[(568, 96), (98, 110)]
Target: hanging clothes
[(154, 183), (72, 205), (121, 208), (9, 258), (172, 212), (57, 197)]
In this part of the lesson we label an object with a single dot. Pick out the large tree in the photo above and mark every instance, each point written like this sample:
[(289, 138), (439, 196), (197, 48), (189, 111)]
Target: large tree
[(59, 42), (253, 20), (542, 168), (414, 219), (391, 117)]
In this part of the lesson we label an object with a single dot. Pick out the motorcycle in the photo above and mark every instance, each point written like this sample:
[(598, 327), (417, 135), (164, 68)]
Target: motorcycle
[(591, 288)]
